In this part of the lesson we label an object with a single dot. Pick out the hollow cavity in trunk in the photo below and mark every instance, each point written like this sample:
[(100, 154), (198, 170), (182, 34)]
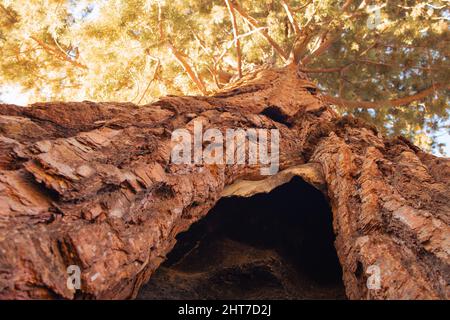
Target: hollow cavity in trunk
[(269, 246)]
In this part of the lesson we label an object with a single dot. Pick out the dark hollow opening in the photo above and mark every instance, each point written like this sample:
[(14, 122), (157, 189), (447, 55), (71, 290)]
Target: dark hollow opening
[(270, 246)]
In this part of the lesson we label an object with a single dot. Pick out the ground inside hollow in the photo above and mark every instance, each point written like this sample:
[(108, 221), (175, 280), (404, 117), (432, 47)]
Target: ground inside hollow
[(269, 246)]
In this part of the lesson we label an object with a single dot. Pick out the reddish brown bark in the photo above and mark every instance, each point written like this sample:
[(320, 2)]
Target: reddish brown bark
[(92, 184)]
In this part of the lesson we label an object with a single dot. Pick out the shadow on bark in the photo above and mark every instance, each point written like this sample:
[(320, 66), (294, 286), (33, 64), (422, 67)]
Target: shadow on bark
[(270, 246)]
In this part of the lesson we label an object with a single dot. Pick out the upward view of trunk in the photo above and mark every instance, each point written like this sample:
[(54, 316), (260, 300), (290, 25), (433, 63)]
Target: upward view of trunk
[(92, 184)]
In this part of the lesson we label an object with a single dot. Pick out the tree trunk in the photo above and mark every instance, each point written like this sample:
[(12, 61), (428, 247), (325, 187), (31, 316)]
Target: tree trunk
[(91, 184)]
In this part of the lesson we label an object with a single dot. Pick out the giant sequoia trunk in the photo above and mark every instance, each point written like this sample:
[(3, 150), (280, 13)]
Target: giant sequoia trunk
[(92, 184)]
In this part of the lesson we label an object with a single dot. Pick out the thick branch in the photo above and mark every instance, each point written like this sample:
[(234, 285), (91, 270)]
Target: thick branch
[(390, 103)]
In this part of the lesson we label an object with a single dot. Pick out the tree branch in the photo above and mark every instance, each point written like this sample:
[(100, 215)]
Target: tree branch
[(369, 62), (327, 40), (290, 16), (235, 36), (327, 37), (178, 55), (191, 72), (11, 17), (263, 32), (230, 44), (56, 53), (324, 70), (347, 4), (151, 80), (302, 6), (160, 22), (390, 103)]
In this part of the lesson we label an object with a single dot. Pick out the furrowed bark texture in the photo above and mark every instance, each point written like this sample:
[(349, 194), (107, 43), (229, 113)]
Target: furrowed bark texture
[(91, 184)]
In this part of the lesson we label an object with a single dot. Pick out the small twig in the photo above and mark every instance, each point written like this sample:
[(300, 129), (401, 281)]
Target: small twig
[(155, 72)]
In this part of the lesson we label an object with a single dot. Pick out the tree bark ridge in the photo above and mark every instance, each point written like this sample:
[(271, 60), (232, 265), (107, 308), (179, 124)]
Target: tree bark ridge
[(91, 184)]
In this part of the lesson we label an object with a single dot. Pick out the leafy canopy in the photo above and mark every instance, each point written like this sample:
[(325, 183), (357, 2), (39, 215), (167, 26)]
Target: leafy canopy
[(386, 61)]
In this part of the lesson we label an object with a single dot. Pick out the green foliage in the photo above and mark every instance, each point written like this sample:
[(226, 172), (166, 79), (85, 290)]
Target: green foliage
[(108, 50)]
